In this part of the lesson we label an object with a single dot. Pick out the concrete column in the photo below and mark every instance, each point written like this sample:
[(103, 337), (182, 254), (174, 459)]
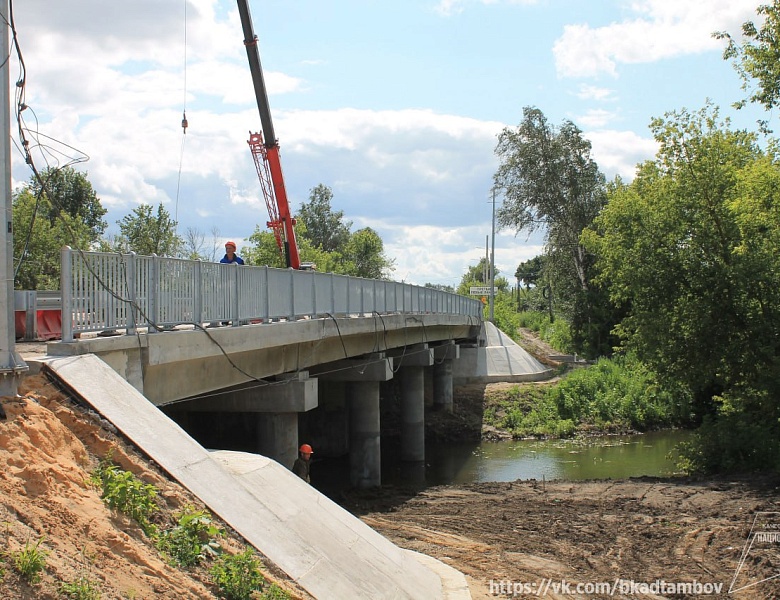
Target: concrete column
[(365, 464), (277, 437), (412, 413), (442, 386)]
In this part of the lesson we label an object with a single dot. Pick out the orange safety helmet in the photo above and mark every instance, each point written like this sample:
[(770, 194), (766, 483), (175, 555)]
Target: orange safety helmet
[(230, 244), (305, 449)]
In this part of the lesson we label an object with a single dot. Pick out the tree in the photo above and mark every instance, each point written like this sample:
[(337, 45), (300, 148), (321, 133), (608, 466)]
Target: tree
[(364, 255), (691, 251), (552, 184), (38, 241), (147, 234), (324, 227), (479, 274), (68, 191), (194, 243), (530, 271), (757, 58), (60, 209)]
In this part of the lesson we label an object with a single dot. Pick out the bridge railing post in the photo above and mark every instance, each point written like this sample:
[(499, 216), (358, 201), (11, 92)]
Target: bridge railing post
[(153, 291), (132, 301), (234, 297)]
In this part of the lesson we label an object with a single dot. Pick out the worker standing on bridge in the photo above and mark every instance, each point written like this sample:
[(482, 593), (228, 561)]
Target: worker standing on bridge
[(302, 463), (230, 255)]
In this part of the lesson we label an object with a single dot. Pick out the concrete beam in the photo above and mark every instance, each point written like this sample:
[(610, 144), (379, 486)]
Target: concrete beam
[(446, 351), (285, 396), (416, 355), (372, 367)]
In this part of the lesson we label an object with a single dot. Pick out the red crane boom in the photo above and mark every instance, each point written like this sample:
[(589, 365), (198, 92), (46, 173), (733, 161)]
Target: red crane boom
[(265, 152)]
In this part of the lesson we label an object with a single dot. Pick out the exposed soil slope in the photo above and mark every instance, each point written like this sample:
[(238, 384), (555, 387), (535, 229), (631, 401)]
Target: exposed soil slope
[(48, 448)]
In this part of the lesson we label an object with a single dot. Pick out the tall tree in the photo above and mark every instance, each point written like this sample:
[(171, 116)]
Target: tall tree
[(324, 227), (552, 184), (146, 233), (38, 241), (365, 257), (757, 57), (66, 190), (530, 271), (691, 251)]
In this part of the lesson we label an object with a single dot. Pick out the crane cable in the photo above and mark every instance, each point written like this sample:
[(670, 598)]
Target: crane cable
[(184, 124)]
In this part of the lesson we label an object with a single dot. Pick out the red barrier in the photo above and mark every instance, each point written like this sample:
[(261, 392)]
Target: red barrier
[(21, 324), (48, 323)]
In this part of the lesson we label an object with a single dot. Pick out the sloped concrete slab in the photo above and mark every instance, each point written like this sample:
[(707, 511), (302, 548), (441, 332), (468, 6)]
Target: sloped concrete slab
[(501, 359), (329, 552)]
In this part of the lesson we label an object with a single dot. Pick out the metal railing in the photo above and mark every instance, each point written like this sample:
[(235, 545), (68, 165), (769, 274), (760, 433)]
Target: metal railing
[(109, 292)]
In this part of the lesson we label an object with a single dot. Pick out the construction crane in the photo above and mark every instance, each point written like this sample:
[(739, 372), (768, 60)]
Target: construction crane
[(265, 152)]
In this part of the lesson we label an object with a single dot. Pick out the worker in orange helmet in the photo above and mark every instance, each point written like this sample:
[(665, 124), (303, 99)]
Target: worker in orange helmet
[(302, 464), (230, 255)]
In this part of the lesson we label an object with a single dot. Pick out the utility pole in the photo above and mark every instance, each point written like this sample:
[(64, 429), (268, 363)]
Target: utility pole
[(11, 364), (492, 259)]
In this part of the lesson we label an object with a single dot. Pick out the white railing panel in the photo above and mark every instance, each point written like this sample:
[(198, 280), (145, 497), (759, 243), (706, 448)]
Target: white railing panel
[(108, 291)]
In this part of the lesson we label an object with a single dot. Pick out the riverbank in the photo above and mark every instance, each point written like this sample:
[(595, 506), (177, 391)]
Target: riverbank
[(643, 530), (531, 536)]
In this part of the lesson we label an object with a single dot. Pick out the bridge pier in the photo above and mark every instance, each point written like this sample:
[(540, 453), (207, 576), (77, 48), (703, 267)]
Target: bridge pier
[(365, 458), (362, 377), (443, 357), (277, 437), (413, 362)]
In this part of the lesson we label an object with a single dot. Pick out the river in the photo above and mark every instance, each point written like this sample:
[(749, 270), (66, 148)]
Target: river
[(603, 457)]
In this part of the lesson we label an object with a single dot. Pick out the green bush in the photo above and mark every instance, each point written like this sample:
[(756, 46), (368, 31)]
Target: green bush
[(124, 492), (616, 393), (81, 589), (556, 333), (194, 537), (732, 442), (30, 561), (237, 576), (274, 592)]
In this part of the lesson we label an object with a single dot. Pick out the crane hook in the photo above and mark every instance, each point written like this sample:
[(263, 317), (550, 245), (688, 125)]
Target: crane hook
[(184, 121)]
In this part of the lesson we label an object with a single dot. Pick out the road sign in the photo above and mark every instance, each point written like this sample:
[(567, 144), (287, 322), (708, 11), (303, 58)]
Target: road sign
[(481, 290)]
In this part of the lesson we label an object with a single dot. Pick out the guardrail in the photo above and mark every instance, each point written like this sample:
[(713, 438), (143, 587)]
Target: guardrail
[(111, 292)]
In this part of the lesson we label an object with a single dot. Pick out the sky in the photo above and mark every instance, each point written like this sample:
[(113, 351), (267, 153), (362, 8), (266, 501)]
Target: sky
[(396, 106)]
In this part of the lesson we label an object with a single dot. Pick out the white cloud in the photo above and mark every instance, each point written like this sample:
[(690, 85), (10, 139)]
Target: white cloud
[(591, 92), (618, 152), (595, 118), (662, 29)]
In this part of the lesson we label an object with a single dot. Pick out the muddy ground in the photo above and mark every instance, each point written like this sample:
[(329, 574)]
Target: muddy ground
[(539, 534)]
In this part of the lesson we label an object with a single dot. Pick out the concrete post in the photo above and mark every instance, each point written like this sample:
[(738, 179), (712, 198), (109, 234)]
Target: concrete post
[(442, 386), (277, 437), (365, 464), (412, 413)]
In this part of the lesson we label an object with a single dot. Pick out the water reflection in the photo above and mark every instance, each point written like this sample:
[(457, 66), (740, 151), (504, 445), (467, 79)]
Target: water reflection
[(610, 457)]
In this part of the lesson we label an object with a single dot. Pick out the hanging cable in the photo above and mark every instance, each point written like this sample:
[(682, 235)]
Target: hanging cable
[(184, 125)]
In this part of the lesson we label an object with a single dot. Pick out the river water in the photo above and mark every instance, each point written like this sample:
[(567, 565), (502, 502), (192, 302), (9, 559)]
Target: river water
[(605, 457)]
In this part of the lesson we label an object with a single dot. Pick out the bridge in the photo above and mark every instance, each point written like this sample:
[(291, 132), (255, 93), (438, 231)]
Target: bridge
[(181, 355)]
